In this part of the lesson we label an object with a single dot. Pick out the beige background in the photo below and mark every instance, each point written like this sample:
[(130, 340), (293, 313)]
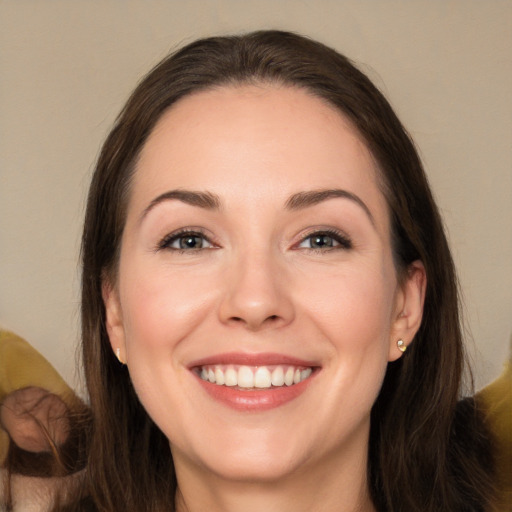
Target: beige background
[(67, 66)]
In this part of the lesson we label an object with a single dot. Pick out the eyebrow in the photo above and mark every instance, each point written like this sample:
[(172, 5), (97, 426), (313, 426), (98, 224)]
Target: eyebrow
[(298, 201), (303, 200), (205, 200)]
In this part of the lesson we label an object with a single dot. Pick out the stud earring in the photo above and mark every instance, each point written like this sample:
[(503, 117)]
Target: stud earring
[(401, 345), (118, 355)]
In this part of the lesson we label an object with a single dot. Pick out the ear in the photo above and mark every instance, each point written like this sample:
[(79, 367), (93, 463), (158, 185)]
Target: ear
[(408, 312), (114, 320)]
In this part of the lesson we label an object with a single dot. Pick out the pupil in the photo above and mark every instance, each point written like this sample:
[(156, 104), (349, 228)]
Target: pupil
[(322, 241), (190, 242)]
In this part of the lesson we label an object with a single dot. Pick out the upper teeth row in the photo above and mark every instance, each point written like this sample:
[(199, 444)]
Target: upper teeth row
[(254, 376)]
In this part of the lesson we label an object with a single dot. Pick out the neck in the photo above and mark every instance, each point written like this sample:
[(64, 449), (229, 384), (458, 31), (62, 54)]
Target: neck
[(330, 487)]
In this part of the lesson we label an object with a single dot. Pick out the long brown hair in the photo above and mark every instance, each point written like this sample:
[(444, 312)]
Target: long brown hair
[(420, 458)]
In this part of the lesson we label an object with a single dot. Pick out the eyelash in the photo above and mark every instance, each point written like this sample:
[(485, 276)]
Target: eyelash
[(344, 242), (169, 239)]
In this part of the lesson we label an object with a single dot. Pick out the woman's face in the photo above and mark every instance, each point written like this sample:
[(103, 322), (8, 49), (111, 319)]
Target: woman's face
[(257, 304)]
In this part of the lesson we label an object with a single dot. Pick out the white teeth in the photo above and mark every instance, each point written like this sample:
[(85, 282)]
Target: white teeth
[(278, 376), (230, 377), (250, 377), (245, 377), (288, 376), (304, 374), (219, 376), (262, 378)]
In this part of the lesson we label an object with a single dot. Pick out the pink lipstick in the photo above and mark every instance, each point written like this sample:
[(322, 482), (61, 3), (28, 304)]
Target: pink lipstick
[(254, 382)]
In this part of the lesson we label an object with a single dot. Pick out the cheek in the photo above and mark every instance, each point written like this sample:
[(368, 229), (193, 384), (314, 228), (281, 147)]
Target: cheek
[(161, 306), (353, 311), (353, 307)]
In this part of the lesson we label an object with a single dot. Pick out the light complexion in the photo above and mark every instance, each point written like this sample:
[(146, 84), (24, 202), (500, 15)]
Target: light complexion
[(257, 246)]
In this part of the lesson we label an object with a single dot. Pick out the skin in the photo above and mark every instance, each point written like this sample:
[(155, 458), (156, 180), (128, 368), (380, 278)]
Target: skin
[(257, 286)]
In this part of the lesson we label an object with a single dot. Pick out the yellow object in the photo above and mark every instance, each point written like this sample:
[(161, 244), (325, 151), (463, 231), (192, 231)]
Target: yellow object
[(23, 366), (496, 401)]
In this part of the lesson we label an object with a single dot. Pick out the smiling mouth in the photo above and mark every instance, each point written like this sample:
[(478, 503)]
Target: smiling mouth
[(247, 378)]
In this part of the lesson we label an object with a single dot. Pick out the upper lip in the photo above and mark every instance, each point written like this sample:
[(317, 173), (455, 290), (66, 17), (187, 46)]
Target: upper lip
[(261, 359)]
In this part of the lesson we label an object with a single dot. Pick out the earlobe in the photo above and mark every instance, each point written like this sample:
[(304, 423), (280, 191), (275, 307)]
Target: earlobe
[(114, 320), (409, 310)]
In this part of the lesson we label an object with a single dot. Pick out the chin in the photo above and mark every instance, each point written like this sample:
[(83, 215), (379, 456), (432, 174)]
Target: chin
[(266, 468), (258, 454)]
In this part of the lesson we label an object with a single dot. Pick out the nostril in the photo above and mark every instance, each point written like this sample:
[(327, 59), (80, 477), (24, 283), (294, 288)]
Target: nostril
[(269, 319)]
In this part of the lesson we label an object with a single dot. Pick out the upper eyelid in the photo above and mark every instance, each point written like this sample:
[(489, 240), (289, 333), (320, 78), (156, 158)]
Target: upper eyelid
[(174, 235), (343, 240), (324, 231)]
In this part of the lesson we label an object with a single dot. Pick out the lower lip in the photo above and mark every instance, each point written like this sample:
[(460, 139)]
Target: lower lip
[(255, 399)]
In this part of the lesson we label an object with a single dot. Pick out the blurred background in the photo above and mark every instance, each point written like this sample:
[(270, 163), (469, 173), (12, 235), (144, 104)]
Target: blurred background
[(68, 67)]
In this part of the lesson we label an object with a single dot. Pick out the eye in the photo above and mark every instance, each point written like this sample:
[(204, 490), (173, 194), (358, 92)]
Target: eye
[(325, 240), (185, 241)]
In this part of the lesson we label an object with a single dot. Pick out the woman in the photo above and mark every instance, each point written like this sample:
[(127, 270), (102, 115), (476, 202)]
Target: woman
[(263, 255)]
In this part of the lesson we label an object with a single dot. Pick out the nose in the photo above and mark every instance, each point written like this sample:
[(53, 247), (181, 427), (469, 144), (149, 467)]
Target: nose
[(256, 294)]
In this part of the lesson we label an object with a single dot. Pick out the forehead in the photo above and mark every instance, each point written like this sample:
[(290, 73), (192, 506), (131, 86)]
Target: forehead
[(279, 140)]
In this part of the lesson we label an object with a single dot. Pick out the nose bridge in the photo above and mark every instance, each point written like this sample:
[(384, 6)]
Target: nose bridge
[(255, 290)]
